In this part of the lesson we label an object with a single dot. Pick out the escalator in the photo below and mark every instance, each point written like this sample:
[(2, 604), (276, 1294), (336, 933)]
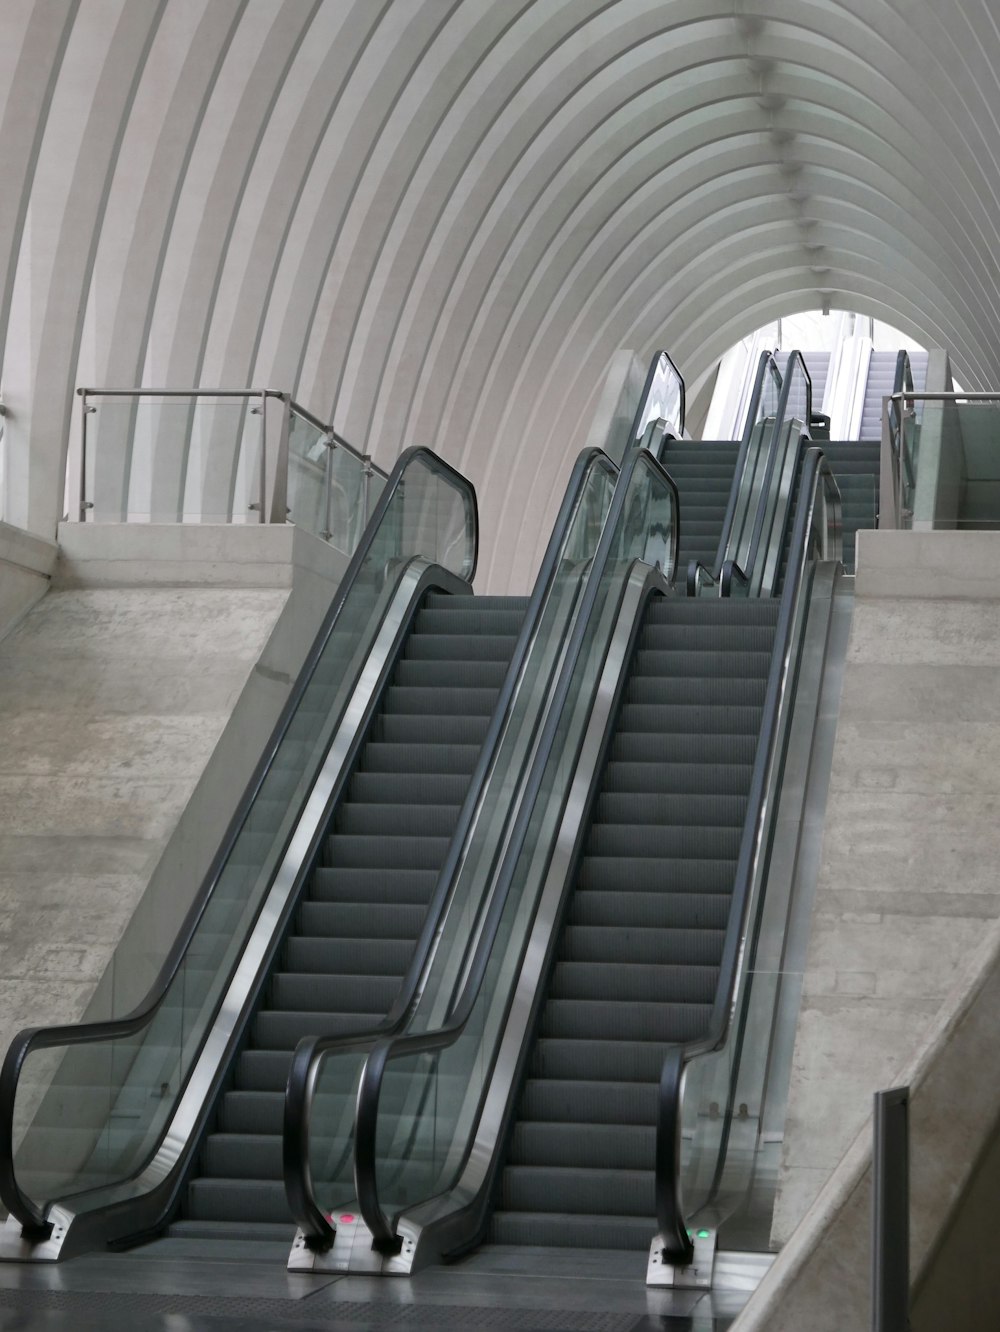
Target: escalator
[(622, 918), (365, 902), (637, 964), (334, 884)]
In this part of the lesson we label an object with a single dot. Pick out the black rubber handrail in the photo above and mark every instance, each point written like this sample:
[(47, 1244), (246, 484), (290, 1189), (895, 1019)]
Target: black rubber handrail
[(773, 447), (677, 1246), (30, 1039), (320, 1232), (902, 462), (766, 365), (295, 1143), (654, 365)]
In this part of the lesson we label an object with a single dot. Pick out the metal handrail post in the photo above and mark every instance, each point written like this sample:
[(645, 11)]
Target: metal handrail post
[(262, 502), (279, 483), (331, 444), (368, 470), (85, 504), (891, 1211)]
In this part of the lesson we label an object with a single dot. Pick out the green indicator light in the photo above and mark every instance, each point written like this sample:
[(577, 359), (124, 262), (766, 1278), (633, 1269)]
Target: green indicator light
[(703, 1234)]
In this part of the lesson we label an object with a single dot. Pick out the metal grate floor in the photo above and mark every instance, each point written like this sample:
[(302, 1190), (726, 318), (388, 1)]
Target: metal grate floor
[(196, 1286)]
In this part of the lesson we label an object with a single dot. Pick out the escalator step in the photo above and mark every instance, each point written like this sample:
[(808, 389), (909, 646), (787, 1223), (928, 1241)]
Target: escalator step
[(655, 910), (594, 1019), (615, 1192), (416, 673), (689, 751), (363, 852), (556, 1230), (634, 982), (301, 992), (415, 757), (575, 1101), (642, 944), (663, 719), (395, 821), (711, 842), (597, 1146), (360, 920), (671, 691), (432, 788), (677, 778), (347, 957), (259, 1200), (372, 886), (274, 1030), (641, 874), (597, 1061), (655, 809)]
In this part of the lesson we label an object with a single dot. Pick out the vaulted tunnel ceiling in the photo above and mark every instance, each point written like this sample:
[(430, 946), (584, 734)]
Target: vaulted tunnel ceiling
[(436, 221)]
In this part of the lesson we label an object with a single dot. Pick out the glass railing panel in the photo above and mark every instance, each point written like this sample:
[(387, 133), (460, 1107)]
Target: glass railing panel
[(173, 458), (773, 518), (92, 1114), (309, 463), (752, 465), (347, 498), (415, 1086), (946, 461), (331, 488), (663, 398), (445, 1091)]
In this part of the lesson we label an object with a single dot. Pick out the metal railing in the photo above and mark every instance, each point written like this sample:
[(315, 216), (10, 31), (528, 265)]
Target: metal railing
[(901, 430), (220, 455)]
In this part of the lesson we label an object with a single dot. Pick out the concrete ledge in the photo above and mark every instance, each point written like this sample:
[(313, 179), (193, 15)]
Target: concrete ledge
[(821, 1278), (190, 555), (953, 564), (26, 564), (26, 551)]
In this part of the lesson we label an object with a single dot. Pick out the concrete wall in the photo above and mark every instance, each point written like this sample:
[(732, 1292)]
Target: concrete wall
[(908, 877), (119, 700), (821, 1278), (908, 892)]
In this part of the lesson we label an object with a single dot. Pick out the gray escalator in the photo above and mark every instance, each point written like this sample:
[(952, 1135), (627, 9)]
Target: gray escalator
[(881, 382), (703, 472), (855, 465), (637, 963), (364, 906), (818, 365)]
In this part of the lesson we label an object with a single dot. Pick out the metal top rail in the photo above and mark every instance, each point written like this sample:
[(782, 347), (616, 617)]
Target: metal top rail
[(944, 397)]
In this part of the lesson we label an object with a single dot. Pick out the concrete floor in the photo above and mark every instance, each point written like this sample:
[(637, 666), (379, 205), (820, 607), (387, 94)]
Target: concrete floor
[(185, 1285)]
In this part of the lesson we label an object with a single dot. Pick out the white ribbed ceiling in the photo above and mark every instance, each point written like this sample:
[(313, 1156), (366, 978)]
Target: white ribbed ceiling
[(435, 221)]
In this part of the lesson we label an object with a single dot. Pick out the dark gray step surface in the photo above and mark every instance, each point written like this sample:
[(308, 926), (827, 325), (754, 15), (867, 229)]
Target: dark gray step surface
[(637, 961), (703, 474), (855, 466)]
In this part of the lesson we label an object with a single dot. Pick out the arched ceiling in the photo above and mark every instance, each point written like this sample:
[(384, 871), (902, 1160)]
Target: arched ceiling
[(436, 221)]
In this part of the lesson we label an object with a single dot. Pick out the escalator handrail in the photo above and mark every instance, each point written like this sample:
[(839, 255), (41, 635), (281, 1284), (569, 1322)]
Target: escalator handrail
[(654, 365), (31, 1039), (773, 447), (295, 1141), (369, 1089), (902, 463), (766, 364), (816, 475)]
